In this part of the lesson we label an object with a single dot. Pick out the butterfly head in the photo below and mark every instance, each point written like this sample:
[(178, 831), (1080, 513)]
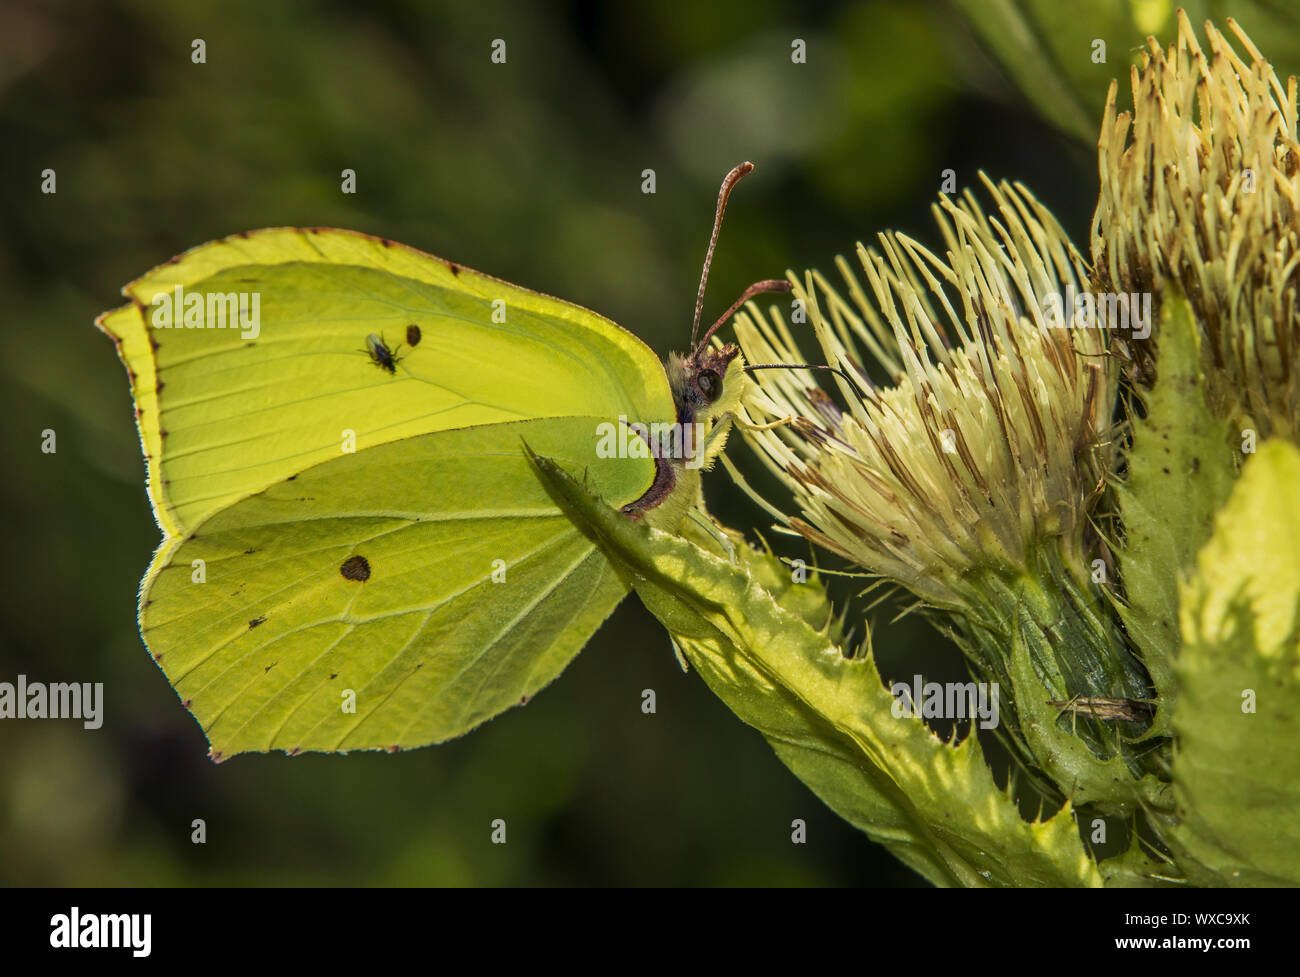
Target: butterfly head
[(707, 383)]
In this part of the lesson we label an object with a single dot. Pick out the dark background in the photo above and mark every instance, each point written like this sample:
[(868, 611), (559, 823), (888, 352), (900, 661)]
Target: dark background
[(530, 171)]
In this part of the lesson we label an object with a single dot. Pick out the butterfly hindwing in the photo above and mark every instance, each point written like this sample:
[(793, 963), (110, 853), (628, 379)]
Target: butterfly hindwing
[(388, 599)]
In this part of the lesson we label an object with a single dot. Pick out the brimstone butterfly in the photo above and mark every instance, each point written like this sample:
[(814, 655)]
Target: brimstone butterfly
[(361, 558)]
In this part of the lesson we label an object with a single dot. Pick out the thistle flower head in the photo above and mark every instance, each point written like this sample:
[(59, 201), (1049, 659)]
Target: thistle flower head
[(988, 440), (1200, 187)]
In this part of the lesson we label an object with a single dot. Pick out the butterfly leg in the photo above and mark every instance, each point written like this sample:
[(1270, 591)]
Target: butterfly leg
[(745, 425)]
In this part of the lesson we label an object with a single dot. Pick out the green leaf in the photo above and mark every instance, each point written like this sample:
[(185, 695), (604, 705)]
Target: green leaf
[(1046, 48), (1135, 869), (829, 719), (1051, 733), (1180, 471), (1237, 769)]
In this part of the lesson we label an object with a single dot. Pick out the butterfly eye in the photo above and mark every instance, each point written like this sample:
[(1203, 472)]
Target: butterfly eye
[(710, 384)]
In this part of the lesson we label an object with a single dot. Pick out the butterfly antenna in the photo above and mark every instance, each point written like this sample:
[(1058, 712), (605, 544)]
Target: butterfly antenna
[(771, 285), (857, 388), (732, 178)]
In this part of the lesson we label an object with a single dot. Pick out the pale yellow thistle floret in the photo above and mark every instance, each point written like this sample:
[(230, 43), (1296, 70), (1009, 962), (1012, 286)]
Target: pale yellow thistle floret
[(991, 437), (1200, 186)]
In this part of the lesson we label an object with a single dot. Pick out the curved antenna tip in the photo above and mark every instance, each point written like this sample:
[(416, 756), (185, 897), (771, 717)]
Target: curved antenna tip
[(738, 171)]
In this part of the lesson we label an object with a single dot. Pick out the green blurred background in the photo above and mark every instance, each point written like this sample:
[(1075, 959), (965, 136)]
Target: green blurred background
[(531, 171)]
